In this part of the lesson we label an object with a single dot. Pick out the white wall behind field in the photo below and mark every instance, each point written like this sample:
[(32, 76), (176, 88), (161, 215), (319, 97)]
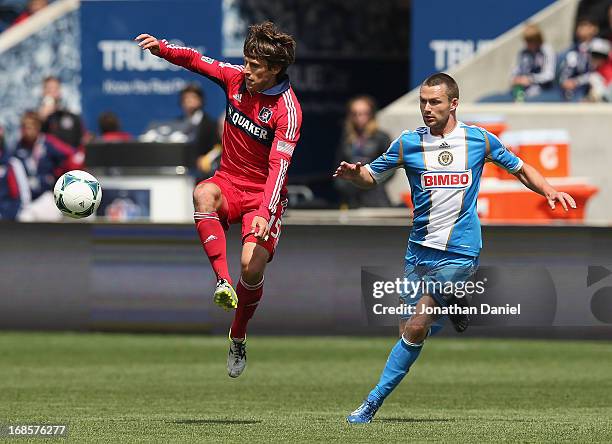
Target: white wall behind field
[(589, 127)]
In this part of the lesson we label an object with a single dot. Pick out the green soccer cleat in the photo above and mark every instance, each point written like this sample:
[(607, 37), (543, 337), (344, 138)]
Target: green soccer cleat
[(225, 296)]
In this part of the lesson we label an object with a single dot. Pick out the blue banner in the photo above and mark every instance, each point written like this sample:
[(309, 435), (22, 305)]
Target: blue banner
[(447, 32), (118, 76)]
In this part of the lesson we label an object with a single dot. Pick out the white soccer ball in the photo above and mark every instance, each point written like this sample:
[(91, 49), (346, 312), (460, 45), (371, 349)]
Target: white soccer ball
[(77, 194)]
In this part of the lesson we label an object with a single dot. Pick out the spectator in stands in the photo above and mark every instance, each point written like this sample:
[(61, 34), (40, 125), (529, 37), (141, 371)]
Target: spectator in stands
[(575, 66), (38, 161), (534, 73), (57, 120), (600, 80), (362, 141), (110, 128), (195, 127)]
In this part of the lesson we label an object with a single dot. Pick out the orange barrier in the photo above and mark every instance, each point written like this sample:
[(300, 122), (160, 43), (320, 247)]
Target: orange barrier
[(517, 204), (545, 150)]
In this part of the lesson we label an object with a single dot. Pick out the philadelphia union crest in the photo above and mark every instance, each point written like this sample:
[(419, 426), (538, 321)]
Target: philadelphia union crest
[(265, 114), (445, 158)]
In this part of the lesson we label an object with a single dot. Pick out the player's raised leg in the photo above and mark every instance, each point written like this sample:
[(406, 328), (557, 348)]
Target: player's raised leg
[(250, 289), (207, 200), (401, 358)]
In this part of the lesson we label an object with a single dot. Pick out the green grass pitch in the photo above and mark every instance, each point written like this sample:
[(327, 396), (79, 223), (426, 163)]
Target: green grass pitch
[(155, 388)]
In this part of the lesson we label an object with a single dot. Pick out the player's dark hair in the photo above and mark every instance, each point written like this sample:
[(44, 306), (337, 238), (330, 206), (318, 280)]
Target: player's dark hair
[(265, 42), (587, 19), (440, 78), (108, 122), (193, 88)]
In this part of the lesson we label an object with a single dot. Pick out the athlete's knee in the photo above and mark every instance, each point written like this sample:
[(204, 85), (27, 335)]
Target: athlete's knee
[(252, 271), (207, 197), (415, 332), (253, 264)]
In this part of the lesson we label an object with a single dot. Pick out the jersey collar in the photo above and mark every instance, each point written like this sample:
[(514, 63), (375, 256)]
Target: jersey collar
[(457, 127), (279, 88)]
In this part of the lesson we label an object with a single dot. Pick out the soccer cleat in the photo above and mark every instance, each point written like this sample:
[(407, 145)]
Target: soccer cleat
[(460, 321), (364, 413), (236, 358), (225, 296)]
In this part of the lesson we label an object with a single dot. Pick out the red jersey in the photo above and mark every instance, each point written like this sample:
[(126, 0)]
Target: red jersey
[(261, 130)]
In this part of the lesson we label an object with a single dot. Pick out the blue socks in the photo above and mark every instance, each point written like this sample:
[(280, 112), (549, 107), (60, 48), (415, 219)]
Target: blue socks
[(400, 359)]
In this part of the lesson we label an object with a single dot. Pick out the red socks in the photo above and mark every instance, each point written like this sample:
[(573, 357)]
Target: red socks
[(212, 237), (248, 298)]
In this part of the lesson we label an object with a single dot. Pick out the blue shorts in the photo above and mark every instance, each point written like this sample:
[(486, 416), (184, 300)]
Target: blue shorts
[(434, 272)]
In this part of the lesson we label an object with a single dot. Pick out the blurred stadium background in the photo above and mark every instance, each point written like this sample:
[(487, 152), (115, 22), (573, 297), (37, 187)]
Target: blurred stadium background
[(137, 266)]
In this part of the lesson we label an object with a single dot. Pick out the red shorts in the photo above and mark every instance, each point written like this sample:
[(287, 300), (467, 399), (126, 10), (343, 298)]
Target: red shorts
[(240, 204)]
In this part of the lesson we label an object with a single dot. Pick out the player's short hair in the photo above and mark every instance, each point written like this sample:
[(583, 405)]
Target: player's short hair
[(532, 33), (265, 42), (440, 78), (51, 79), (193, 88), (108, 122), (32, 116)]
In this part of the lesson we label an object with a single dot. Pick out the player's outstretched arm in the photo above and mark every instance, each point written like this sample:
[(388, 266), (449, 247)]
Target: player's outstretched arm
[(187, 58), (533, 180), (355, 173)]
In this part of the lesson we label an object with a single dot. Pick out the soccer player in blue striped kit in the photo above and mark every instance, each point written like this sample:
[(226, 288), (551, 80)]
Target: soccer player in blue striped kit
[(443, 162)]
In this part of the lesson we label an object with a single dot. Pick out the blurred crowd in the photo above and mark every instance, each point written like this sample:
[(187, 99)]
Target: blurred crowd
[(582, 73), (53, 138)]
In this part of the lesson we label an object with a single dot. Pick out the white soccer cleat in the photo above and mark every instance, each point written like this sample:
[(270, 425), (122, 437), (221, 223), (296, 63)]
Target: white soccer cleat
[(236, 358)]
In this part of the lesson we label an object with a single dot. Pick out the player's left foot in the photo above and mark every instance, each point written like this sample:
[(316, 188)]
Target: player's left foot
[(460, 321), (225, 295), (236, 357), (364, 413)]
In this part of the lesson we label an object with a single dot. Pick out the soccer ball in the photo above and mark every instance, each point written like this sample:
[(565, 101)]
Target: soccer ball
[(77, 194)]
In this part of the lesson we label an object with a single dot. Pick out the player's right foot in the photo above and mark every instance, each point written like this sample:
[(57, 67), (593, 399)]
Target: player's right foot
[(364, 413), (460, 321), (236, 357), (225, 296)]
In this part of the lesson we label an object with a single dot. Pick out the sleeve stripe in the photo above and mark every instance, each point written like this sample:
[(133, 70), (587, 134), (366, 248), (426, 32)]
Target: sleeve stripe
[(291, 115), (487, 145), (229, 65), (278, 186)]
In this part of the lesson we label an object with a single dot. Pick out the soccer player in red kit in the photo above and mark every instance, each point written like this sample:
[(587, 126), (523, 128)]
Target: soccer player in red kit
[(261, 130)]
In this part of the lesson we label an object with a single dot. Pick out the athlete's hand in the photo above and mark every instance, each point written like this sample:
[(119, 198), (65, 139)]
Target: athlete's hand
[(149, 42), (563, 198), (260, 228), (348, 171)]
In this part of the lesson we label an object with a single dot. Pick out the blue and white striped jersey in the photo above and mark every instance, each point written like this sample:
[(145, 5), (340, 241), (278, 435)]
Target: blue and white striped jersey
[(444, 176)]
